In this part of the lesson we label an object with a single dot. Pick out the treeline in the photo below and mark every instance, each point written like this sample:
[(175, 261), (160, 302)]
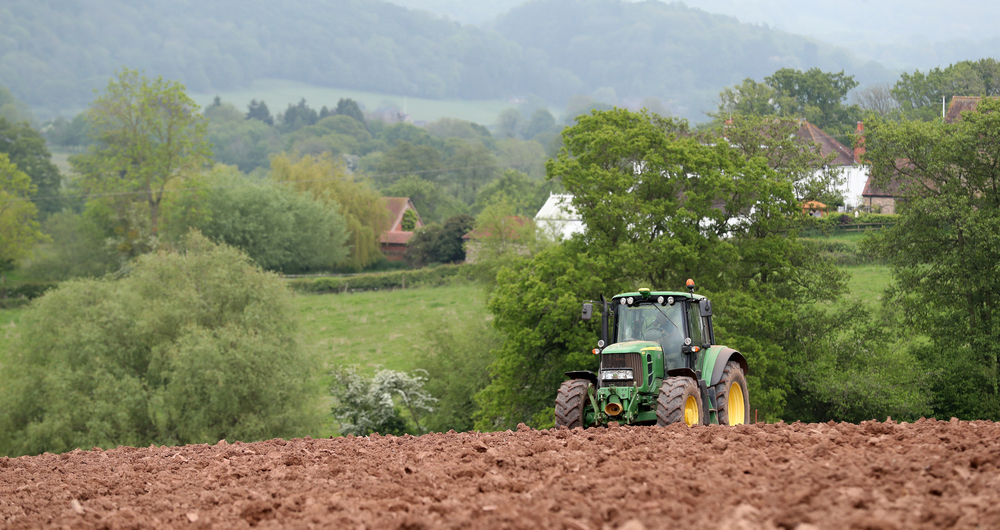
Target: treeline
[(551, 49)]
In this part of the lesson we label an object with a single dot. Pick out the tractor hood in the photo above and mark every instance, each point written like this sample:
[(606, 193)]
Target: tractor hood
[(631, 346)]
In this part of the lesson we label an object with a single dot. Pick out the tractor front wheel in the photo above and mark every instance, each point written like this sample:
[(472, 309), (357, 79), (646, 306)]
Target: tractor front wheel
[(680, 400), (571, 403), (731, 396)]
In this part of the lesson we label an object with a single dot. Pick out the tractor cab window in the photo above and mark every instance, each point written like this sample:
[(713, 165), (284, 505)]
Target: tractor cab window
[(662, 324), (698, 333)]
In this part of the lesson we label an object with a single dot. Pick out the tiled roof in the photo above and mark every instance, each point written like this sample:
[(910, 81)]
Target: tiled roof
[(958, 105), (397, 206), (844, 156)]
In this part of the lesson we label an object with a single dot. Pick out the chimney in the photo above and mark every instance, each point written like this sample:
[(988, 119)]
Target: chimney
[(859, 143)]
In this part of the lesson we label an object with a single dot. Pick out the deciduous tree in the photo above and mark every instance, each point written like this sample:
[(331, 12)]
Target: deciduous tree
[(19, 228), (327, 180), (148, 134)]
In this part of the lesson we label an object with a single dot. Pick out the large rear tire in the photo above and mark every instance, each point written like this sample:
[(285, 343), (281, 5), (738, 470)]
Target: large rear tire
[(679, 401), (731, 396), (571, 403)]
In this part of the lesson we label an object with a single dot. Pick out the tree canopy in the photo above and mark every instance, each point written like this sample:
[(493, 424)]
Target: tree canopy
[(148, 133), (192, 346), (944, 249), (19, 228)]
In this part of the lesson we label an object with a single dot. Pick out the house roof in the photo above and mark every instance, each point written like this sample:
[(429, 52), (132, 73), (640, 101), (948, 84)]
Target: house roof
[(815, 205), (844, 156), (513, 223), (397, 206), (958, 105)]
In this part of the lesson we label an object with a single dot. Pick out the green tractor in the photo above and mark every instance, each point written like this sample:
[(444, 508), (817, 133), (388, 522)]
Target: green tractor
[(662, 366)]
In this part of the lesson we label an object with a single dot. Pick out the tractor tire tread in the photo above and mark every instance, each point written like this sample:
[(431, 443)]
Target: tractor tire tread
[(670, 402), (571, 403)]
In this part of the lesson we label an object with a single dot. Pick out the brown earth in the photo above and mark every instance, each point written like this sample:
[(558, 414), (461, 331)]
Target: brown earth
[(929, 474)]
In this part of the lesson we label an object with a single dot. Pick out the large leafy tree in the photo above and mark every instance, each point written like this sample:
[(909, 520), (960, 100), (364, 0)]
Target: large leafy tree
[(661, 205), (945, 249), (327, 180), (815, 95), (26, 148), (148, 134), (278, 227), (191, 346)]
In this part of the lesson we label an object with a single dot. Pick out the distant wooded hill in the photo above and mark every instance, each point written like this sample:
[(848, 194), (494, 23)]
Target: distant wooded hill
[(53, 53)]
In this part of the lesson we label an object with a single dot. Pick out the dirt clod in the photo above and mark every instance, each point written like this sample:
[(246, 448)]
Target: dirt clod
[(928, 474)]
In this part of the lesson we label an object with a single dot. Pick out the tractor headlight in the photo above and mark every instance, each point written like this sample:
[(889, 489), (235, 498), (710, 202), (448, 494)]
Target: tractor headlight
[(659, 300), (631, 300), (616, 375)]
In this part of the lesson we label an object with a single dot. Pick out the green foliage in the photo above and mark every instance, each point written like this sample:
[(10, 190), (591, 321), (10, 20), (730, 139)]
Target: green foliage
[(409, 221), (12, 109), (433, 203), (19, 228), (943, 250), (147, 134), (819, 97), (238, 141), (279, 228), (525, 195), (662, 205), (405, 158), (919, 94), (439, 244), (457, 364), (78, 249), (536, 306), (327, 180), (191, 347), (363, 406), (26, 148)]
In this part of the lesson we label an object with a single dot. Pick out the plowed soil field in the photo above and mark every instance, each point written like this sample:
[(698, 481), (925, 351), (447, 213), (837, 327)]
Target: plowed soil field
[(929, 474)]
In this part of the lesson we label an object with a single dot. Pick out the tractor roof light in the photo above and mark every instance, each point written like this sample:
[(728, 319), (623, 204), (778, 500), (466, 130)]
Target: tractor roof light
[(690, 285), (631, 301)]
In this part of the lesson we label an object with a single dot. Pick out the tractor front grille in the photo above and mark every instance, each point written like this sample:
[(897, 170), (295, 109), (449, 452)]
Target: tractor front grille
[(622, 360)]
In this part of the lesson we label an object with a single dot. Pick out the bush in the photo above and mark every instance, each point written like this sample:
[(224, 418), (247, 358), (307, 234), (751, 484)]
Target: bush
[(189, 347), (363, 406), (437, 276)]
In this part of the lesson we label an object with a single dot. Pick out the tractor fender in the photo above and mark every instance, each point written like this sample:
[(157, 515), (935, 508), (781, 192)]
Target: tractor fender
[(726, 355), (583, 374), (683, 372)]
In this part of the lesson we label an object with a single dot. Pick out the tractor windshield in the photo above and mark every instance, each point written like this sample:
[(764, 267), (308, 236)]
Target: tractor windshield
[(662, 324)]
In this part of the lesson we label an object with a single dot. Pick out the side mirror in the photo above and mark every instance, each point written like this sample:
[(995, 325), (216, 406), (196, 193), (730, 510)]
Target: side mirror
[(588, 311), (705, 307)]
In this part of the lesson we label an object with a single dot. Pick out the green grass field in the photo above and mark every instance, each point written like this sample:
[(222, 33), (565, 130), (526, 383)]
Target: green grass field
[(278, 94), (382, 329), (867, 283)]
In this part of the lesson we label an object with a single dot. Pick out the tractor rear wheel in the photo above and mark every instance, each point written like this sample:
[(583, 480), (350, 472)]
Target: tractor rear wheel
[(679, 401), (571, 403), (731, 396)]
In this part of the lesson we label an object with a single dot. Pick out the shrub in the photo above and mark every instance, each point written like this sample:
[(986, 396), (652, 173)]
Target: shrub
[(190, 346)]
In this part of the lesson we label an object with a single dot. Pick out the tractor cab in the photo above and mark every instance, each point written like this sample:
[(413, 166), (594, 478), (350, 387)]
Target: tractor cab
[(680, 323)]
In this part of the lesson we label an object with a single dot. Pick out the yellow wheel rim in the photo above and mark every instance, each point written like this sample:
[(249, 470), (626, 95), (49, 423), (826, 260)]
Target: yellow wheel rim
[(736, 407), (691, 412)]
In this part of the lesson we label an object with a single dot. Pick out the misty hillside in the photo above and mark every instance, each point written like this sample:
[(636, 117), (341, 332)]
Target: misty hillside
[(53, 53), (670, 51)]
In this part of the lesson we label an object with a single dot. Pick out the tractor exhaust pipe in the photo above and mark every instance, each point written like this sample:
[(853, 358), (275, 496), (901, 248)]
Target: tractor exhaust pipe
[(613, 408)]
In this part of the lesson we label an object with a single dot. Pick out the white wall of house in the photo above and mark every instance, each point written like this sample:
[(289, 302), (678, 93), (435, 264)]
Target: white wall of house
[(558, 219)]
